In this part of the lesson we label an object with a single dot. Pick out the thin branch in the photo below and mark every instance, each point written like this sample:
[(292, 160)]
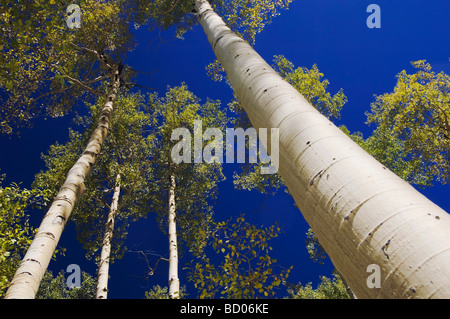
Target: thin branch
[(266, 197), (61, 90), (100, 57), (87, 88), (152, 270), (99, 78), (141, 86), (147, 73), (173, 7)]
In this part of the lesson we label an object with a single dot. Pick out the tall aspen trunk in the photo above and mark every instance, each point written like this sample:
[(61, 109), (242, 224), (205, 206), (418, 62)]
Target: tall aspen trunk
[(363, 215), (103, 269), (28, 276), (174, 282)]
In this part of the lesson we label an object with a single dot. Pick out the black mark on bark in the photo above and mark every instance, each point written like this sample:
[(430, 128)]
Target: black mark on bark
[(385, 247), (319, 174)]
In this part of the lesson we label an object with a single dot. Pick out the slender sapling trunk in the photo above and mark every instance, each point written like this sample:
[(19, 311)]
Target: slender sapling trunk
[(103, 269), (174, 282)]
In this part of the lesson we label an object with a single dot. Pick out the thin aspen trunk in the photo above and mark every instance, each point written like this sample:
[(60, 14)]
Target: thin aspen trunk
[(28, 276), (174, 282), (103, 269), (363, 215)]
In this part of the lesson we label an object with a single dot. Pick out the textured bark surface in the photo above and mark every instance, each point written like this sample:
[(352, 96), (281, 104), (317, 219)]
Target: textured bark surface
[(174, 282), (361, 212), (103, 269), (28, 276)]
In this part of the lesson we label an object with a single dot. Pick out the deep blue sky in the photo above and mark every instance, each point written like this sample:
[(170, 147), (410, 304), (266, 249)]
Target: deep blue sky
[(332, 34)]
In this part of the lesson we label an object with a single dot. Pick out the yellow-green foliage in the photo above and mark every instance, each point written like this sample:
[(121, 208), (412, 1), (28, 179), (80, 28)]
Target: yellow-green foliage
[(329, 288), (248, 18), (196, 183), (42, 65), (15, 230), (415, 117), (243, 268)]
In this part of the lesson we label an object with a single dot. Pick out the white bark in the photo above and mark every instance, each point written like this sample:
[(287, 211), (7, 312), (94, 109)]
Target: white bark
[(103, 269), (174, 282), (361, 212), (28, 276)]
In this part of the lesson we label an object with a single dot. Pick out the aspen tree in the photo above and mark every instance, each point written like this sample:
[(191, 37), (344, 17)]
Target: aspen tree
[(174, 281), (185, 203), (361, 212), (103, 270), (35, 262), (116, 188)]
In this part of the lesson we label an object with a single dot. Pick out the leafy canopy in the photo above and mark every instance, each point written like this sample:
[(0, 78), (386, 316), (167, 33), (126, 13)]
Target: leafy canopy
[(329, 288), (56, 287), (414, 120), (245, 17), (47, 67), (15, 230), (244, 268)]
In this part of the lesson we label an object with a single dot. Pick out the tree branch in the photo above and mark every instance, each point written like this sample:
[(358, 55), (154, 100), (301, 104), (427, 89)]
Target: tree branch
[(84, 86)]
